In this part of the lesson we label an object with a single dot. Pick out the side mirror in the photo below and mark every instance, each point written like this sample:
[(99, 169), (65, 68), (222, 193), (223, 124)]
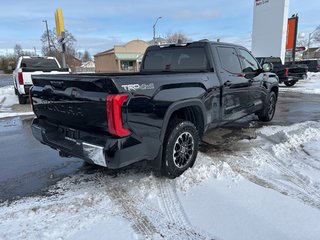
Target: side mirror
[(267, 67)]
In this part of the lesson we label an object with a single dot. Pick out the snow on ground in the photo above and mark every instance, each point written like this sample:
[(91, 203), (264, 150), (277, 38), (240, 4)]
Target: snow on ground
[(311, 85), (7, 100), (267, 187)]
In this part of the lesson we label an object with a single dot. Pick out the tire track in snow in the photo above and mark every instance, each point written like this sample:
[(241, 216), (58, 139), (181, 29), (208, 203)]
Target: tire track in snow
[(277, 160), (312, 196), (149, 222), (141, 223), (170, 202)]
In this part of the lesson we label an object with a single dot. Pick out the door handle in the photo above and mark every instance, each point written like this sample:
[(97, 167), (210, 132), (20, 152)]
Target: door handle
[(227, 83)]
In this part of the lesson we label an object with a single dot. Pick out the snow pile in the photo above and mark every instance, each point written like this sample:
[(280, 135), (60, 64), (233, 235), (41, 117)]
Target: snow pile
[(205, 168), (279, 159), (7, 100), (311, 85)]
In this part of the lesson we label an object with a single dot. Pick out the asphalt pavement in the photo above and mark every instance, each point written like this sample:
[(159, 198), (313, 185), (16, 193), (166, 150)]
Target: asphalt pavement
[(5, 80), (28, 168)]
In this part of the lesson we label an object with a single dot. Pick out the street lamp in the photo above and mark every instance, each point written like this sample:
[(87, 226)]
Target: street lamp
[(154, 30), (49, 46), (310, 34)]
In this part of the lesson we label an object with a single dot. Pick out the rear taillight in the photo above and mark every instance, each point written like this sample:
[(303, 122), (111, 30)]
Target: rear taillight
[(114, 115), (286, 72), (20, 78)]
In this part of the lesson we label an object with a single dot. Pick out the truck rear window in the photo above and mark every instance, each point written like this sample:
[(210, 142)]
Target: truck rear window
[(273, 60), (39, 63), (176, 59)]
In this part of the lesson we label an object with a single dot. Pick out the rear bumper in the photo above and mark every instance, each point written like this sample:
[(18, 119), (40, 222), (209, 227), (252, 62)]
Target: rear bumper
[(24, 89), (100, 149), (289, 79)]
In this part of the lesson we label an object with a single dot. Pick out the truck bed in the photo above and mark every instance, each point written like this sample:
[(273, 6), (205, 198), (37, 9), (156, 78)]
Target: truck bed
[(79, 100)]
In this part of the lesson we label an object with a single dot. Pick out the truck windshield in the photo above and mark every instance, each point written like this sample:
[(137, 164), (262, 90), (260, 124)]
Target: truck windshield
[(39, 63), (177, 59)]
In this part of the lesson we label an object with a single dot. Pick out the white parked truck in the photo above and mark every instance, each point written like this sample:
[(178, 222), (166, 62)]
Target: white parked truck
[(27, 66)]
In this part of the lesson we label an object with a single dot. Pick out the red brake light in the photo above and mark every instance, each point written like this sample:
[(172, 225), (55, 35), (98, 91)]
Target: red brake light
[(114, 115), (20, 78), (286, 72)]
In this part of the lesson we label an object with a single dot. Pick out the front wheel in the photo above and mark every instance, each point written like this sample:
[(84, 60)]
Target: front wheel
[(290, 83), (180, 147), (269, 109)]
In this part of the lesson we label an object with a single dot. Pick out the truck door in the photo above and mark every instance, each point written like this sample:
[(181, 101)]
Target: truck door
[(235, 86), (250, 68)]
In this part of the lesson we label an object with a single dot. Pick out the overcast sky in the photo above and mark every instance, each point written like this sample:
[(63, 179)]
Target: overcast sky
[(98, 24)]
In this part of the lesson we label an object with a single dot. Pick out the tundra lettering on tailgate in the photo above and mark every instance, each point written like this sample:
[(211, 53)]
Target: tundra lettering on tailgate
[(62, 108)]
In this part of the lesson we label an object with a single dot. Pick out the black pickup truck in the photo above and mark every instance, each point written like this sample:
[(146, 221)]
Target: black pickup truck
[(288, 74), (158, 114)]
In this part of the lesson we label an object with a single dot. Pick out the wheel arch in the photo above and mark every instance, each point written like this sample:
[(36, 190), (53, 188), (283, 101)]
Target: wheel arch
[(275, 89), (190, 110)]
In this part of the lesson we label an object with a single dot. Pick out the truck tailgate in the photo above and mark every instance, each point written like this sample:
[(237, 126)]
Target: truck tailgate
[(77, 101), (28, 72)]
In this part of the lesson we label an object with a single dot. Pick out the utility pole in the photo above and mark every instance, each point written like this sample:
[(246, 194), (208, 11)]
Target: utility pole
[(49, 45), (154, 30), (63, 52)]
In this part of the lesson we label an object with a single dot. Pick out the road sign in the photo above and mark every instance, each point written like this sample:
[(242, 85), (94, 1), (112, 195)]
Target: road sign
[(59, 22)]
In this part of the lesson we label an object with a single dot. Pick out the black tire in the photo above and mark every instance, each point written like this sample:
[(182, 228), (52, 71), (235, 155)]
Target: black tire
[(290, 83), (22, 99), (180, 147), (267, 113)]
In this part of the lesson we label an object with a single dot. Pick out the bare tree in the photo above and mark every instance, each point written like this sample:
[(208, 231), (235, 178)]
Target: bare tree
[(55, 47), (18, 52), (175, 37), (302, 42), (86, 56), (7, 62), (316, 36)]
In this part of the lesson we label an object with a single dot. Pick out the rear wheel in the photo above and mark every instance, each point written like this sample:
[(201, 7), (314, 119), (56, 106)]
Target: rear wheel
[(267, 113), (22, 99), (180, 147), (290, 83)]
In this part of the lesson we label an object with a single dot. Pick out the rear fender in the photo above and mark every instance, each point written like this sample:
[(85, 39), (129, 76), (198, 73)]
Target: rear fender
[(178, 105)]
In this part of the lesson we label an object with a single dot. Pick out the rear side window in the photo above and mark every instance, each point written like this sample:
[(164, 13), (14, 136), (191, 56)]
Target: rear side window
[(39, 63), (176, 59), (249, 63), (229, 59)]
